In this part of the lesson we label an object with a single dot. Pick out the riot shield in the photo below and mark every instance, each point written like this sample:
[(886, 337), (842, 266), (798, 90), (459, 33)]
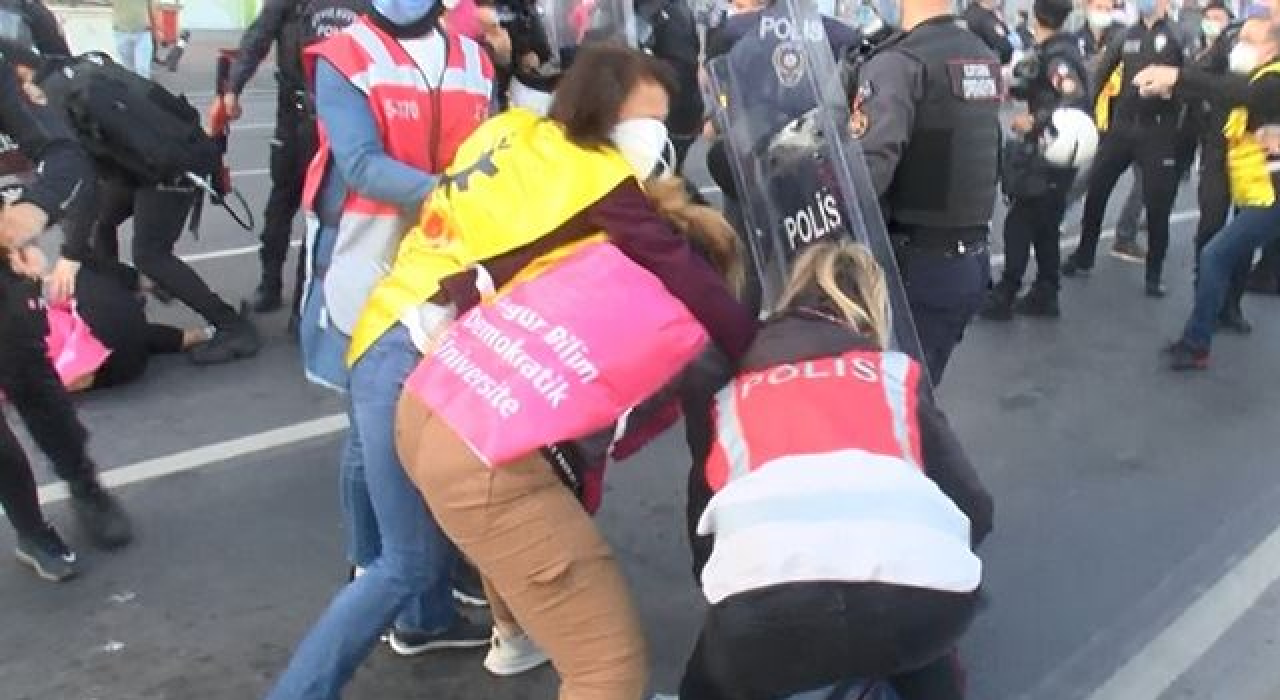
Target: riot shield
[(572, 23), (799, 172)]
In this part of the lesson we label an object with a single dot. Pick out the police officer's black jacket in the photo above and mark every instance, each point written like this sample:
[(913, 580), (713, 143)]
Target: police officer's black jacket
[(990, 29), (1060, 79), (1136, 48), (42, 25), (675, 41), (291, 24), (32, 135), (1092, 46)]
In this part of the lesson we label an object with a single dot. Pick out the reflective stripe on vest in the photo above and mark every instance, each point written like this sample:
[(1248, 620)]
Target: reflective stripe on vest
[(862, 400), (426, 97), (1248, 169)]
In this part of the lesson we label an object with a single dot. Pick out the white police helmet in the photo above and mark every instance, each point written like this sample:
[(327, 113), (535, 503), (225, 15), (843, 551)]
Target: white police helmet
[(1070, 140)]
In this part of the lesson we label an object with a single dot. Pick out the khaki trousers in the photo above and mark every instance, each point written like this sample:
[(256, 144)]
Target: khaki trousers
[(547, 570)]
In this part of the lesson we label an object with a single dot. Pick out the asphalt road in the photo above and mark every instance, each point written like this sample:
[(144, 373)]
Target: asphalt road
[(1131, 557)]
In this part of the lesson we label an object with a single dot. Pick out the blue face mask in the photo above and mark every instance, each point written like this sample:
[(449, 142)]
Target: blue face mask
[(1146, 8), (403, 13)]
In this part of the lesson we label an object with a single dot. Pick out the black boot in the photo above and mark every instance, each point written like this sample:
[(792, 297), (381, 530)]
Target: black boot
[(999, 304), (1041, 301), (1156, 289), (236, 339), (267, 297), (100, 516)]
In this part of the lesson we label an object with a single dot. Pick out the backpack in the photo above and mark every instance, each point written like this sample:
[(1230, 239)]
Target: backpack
[(131, 123), (14, 25)]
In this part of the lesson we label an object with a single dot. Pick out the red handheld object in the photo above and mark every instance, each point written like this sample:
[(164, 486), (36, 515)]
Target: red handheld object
[(219, 119)]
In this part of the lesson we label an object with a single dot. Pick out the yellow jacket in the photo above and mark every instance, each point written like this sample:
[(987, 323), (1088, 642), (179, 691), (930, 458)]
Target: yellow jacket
[(1247, 167), (515, 180)]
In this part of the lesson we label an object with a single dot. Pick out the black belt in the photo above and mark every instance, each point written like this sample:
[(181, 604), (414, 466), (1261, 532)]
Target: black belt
[(941, 247)]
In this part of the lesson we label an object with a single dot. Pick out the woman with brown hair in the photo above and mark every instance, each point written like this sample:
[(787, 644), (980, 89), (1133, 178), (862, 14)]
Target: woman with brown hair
[(575, 178)]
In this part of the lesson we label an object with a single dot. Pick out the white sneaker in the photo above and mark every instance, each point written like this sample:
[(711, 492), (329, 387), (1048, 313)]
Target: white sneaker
[(513, 656)]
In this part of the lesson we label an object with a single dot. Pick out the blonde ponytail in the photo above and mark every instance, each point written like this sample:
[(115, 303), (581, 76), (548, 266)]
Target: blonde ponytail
[(843, 278)]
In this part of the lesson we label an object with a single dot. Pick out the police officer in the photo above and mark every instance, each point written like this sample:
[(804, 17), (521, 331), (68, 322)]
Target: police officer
[(927, 111), (290, 25), (1053, 76), (1142, 131), (46, 173), (982, 19)]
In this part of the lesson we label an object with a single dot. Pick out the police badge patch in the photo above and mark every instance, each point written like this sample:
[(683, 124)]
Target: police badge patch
[(859, 122), (788, 63)]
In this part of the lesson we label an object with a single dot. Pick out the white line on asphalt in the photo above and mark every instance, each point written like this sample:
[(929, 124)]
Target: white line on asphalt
[(1176, 217), (236, 126), (228, 253), (254, 172), (209, 454), (1150, 672)]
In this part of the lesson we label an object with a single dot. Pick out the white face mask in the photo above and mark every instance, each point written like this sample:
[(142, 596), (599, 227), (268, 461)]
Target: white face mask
[(644, 143), (1242, 59), (1212, 30), (1099, 20)]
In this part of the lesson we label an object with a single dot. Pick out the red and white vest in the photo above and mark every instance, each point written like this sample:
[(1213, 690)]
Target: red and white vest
[(426, 95), (817, 474)]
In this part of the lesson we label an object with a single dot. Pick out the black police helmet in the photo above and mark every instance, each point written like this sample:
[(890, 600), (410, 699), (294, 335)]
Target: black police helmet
[(1052, 14)]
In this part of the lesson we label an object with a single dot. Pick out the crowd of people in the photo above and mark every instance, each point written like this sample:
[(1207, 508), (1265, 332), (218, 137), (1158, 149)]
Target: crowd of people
[(489, 379)]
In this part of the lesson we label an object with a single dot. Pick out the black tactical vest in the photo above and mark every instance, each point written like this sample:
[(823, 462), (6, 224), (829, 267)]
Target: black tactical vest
[(948, 174), (312, 21)]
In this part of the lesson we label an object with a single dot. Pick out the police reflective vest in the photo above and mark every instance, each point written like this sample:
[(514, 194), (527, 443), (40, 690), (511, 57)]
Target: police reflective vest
[(420, 123), (948, 174), (816, 471), (1248, 168), (515, 180)]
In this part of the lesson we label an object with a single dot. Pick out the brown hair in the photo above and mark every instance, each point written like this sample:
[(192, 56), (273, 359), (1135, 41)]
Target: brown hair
[(589, 97), (707, 230), (844, 279)]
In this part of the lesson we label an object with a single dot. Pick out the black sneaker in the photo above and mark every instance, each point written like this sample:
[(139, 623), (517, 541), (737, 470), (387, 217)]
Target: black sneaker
[(233, 341), (1183, 357), (101, 517), (1072, 267), (46, 553), (267, 298), (998, 306), (1129, 251), (463, 635), (1040, 301), (1156, 289), (1233, 321)]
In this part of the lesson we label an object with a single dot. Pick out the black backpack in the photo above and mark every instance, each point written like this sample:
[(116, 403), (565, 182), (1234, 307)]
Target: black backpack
[(131, 123)]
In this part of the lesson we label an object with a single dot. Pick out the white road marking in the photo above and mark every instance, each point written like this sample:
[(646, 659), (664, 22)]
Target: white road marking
[(228, 253), (1150, 672), (1176, 217), (210, 454), (253, 126), (252, 172)]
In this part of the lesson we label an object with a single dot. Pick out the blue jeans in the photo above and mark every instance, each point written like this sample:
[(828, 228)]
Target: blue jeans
[(1252, 228), (361, 523), (411, 576)]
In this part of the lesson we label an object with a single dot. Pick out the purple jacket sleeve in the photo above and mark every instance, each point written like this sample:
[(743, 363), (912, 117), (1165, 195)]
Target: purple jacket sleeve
[(626, 216)]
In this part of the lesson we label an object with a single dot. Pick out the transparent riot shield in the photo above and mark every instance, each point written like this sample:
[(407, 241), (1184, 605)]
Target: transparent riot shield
[(571, 23), (800, 176)]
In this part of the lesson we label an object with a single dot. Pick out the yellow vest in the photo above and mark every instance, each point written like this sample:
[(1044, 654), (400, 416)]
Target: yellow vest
[(1247, 169), (1102, 108), (515, 180)]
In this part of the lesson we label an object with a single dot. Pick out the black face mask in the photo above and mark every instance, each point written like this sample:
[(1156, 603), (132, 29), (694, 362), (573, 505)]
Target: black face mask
[(429, 23)]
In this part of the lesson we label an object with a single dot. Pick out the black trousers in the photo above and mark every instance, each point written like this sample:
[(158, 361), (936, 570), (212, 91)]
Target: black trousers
[(778, 641), (1213, 195), (160, 214), (1152, 144), (34, 390), (1034, 223), (292, 148), (945, 291)]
